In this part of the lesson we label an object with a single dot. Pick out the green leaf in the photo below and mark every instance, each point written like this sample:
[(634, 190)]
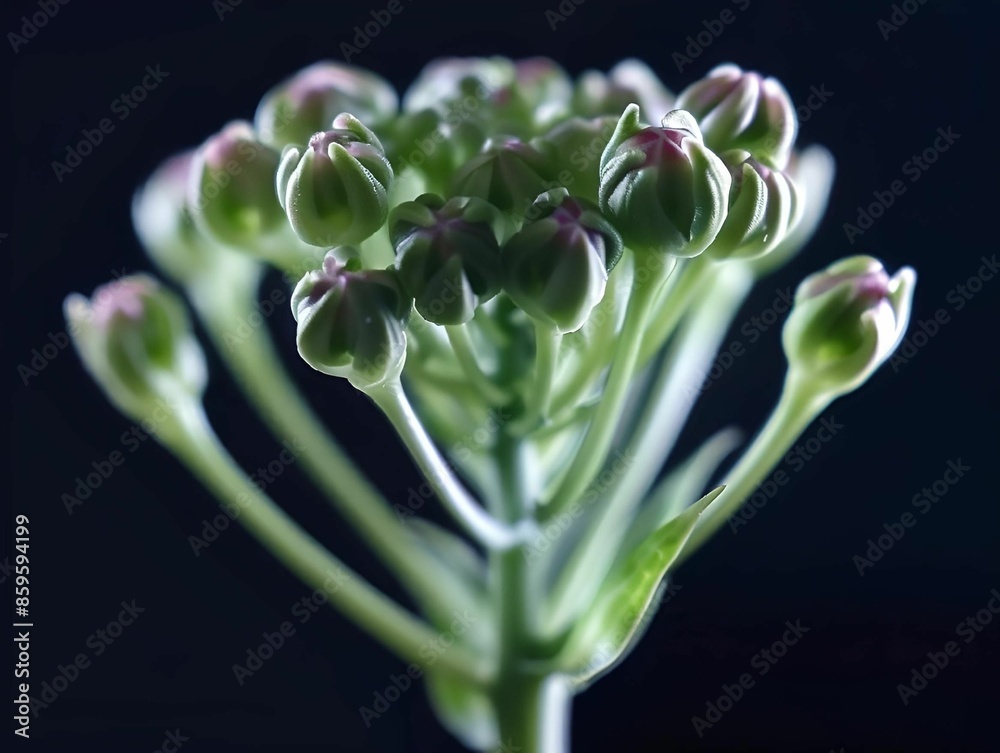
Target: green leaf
[(627, 599), (683, 484), (465, 710)]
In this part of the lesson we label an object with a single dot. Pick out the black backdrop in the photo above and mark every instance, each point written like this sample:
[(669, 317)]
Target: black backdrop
[(835, 690)]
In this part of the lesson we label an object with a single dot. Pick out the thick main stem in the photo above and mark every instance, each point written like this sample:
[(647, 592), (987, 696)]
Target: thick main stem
[(532, 707)]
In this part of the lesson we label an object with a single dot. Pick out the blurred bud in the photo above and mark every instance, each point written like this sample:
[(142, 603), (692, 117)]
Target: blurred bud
[(665, 191), (307, 102), (445, 82), (579, 143), (737, 109), (764, 205), (539, 96), (335, 191), (433, 144), (135, 339), (508, 173), (231, 190), (654, 99), (846, 321), (556, 267), (595, 94), (351, 321), (164, 225), (811, 172), (447, 254), (629, 81)]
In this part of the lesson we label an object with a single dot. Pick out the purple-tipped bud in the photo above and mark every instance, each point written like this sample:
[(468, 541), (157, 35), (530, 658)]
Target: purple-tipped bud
[(764, 207), (335, 190), (556, 266), (508, 173), (448, 254), (351, 321), (739, 109), (231, 189), (846, 321), (308, 101), (663, 189), (136, 340), (164, 224)]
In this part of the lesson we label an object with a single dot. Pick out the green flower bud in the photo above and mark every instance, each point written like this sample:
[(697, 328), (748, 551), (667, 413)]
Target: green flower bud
[(655, 100), (508, 173), (629, 81), (307, 102), (335, 191), (231, 191), (164, 224), (595, 94), (447, 254), (465, 82), (665, 191), (579, 143), (764, 206), (740, 110), (846, 321), (556, 266), (811, 172), (135, 339), (351, 321), (540, 96), (433, 144)]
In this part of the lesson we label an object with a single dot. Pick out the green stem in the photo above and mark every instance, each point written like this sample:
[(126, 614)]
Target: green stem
[(547, 341), (465, 352), (799, 404), (590, 457), (533, 712), (369, 608), (476, 521), (532, 706), (257, 368), (672, 397), (593, 358), (676, 304)]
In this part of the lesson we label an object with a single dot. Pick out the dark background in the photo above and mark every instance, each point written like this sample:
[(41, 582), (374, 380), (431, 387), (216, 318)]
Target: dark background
[(836, 690)]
